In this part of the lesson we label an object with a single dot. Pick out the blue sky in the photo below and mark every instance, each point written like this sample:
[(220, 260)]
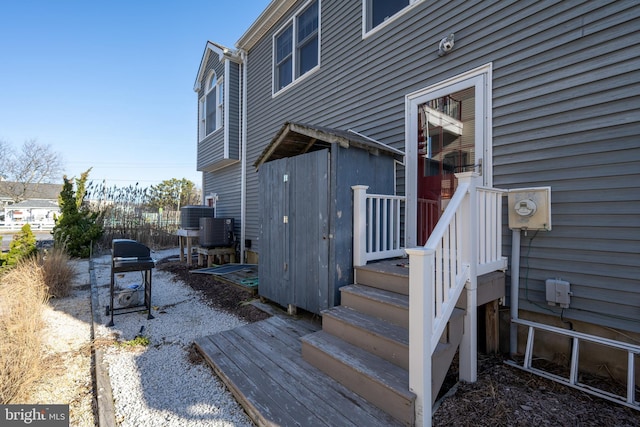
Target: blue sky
[(109, 83)]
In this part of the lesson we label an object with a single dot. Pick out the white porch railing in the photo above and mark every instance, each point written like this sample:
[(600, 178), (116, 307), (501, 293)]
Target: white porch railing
[(376, 226), (465, 243)]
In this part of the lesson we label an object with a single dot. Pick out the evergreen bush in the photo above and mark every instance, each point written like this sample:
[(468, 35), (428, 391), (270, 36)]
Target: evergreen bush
[(77, 227), (21, 247)]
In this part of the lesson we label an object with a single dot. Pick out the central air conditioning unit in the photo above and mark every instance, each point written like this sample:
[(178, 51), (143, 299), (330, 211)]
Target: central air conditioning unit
[(190, 216), (216, 232)]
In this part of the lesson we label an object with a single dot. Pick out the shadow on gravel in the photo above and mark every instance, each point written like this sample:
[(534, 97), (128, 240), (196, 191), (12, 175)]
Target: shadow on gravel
[(164, 382)]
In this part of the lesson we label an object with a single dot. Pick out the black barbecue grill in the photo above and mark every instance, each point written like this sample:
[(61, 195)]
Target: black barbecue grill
[(130, 255)]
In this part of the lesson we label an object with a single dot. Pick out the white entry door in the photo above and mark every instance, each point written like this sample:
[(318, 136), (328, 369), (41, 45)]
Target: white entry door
[(448, 130)]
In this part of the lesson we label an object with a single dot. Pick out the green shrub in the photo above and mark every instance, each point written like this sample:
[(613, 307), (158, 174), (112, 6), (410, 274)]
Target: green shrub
[(21, 247), (77, 227)]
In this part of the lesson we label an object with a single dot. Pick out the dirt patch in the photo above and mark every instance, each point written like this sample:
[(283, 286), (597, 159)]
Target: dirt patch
[(217, 293)]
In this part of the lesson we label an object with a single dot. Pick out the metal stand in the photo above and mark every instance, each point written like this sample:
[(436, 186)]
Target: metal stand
[(121, 267)]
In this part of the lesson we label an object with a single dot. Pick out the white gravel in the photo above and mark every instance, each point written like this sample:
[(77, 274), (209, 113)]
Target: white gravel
[(67, 351), (157, 385)]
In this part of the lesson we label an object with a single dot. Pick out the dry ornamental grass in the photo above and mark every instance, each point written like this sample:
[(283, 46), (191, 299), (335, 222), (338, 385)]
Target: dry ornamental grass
[(22, 296), (57, 272)]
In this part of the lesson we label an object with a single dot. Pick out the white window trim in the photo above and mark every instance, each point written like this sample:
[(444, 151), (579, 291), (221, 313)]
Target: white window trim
[(202, 118), (213, 197), (212, 84), (220, 90), (367, 33), (481, 78), (293, 22)]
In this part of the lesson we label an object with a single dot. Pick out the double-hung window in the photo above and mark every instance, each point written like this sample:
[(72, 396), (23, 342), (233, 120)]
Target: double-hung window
[(297, 46), (211, 106), (219, 102), (376, 12)]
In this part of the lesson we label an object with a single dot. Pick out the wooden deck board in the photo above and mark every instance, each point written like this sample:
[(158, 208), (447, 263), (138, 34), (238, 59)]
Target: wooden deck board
[(257, 392), (222, 364), (317, 410), (261, 363), (354, 408)]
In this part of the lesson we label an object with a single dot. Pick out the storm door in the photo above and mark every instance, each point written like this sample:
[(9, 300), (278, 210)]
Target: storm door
[(447, 134)]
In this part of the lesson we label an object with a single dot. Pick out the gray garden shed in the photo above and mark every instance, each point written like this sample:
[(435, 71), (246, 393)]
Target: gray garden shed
[(306, 210)]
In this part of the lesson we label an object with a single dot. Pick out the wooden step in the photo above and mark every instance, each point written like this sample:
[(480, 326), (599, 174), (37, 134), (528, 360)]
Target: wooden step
[(386, 275), (377, 380), (390, 306), (261, 363), (377, 336)]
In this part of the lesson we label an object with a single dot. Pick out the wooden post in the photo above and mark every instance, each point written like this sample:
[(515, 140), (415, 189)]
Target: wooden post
[(188, 235), (492, 341)]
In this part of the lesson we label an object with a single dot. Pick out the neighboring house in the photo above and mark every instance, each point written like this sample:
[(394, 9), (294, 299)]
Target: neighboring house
[(38, 202), (526, 94), (37, 212)]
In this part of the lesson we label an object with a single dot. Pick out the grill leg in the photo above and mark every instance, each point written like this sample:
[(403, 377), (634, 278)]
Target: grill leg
[(110, 307), (147, 293)]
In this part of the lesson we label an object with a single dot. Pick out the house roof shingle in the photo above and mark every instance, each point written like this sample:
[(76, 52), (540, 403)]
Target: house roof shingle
[(34, 191)]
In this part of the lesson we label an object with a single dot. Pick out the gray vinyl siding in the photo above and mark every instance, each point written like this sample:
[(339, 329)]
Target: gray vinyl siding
[(565, 113), (225, 179), (211, 150), (234, 93), (226, 183)]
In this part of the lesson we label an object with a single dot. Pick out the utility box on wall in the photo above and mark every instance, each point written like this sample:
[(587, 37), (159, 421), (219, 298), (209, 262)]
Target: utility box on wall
[(530, 208), (558, 292), (306, 211)]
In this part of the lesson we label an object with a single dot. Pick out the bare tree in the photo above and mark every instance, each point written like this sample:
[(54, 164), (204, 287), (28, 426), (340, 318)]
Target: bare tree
[(5, 149), (23, 171)]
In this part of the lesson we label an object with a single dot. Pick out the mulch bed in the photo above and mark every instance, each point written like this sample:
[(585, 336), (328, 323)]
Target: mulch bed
[(502, 396), (217, 293), (507, 396)]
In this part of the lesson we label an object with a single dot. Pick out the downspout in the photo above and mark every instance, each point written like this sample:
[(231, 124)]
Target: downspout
[(243, 168)]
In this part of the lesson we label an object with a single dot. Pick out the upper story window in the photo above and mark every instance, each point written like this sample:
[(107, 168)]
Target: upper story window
[(211, 106), (220, 102), (296, 47), (376, 12)]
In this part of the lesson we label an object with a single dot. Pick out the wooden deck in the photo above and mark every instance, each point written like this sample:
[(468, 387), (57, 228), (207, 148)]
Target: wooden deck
[(261, 363)]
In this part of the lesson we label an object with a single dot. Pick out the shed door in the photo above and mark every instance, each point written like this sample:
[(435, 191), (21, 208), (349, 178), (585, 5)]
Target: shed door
[(294, 244)]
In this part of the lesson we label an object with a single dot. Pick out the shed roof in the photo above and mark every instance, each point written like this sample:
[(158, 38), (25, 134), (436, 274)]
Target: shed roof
[(298, 138)]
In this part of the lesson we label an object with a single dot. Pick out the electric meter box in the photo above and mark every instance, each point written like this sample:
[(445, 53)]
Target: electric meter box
[(530, 208)]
